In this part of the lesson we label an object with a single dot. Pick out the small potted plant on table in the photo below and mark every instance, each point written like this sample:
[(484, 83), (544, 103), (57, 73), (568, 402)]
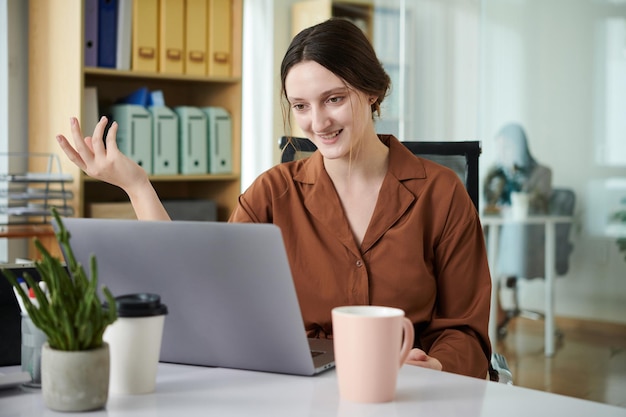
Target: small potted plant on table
[(75, 359)]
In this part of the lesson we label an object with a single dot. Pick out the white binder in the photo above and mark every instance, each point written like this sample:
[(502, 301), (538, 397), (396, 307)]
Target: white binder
[(164, 140), (220, 140), (192, 139), (134, 134)]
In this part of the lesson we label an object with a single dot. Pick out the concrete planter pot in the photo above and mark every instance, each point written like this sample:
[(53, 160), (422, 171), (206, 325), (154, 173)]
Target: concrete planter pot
[(75, 380)]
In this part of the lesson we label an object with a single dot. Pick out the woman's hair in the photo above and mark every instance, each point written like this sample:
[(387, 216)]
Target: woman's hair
[(342, 48)]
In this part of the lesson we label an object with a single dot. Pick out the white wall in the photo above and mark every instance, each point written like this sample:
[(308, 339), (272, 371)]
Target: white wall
[(267, 33), (258, 94), (13, 103)]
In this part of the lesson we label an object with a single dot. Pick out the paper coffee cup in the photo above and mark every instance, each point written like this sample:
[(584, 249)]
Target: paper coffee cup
[(135, 343)]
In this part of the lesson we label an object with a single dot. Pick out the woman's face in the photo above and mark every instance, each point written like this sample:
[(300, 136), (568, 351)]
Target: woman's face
[(329, 113)]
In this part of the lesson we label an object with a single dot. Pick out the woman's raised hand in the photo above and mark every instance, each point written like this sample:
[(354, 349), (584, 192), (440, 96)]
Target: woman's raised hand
[(109, 164), (106, 163)]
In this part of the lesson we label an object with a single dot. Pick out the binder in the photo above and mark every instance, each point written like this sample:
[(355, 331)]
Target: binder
[(171, 36), (164, 140), (107, 33), (91, 33), (220, 138), (192, 140), (196, 37), (219, 34), (124, 29), (134, 134), (145, 18)]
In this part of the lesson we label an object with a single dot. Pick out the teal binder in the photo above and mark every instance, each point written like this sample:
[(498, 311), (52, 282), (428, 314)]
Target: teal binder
[(134, 134), (220, 137), (164, 140), (192, 140)]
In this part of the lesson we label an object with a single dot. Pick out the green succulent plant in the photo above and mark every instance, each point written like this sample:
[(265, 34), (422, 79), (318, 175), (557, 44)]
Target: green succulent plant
[(70, 312)]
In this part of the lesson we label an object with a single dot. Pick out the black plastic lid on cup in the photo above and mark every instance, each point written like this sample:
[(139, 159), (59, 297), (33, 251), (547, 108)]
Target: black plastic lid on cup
[(139, 305)]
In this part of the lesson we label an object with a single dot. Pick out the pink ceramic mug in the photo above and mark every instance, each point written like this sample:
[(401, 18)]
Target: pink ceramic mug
[(371, 343)]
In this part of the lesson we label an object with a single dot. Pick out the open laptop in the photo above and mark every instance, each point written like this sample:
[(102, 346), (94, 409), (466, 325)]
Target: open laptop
[(228, 288)]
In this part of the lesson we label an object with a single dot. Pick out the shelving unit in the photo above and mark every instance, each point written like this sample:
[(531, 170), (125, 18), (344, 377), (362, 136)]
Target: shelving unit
[(57, 79), (28, 197)]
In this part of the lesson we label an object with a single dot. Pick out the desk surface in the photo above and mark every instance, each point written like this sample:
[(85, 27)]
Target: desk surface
[(196, 391)]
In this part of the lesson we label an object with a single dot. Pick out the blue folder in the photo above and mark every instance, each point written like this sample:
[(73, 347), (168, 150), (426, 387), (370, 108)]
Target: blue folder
[(107, 33)]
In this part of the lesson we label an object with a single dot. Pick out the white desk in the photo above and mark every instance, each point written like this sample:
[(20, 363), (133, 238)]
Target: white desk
[(492, 223), (186, 391)]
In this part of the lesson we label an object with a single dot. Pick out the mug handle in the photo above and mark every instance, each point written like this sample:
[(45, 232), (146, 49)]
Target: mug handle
[(407, 343)]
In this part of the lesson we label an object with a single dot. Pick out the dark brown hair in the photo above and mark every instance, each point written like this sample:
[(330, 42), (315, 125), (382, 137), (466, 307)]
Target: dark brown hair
[(342, 48)]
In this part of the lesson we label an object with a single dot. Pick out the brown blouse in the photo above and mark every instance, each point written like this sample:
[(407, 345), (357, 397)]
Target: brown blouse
[(423, 252)]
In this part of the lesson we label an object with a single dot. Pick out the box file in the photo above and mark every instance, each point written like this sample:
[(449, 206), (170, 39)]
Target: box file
[(134, 134), (192, 140), (219, 35), (171, 36), (164, 140), (196, 37), (220, 139), (145, 35)]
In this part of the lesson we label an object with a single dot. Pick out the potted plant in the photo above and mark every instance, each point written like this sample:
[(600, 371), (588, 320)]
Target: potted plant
[(75, 359)]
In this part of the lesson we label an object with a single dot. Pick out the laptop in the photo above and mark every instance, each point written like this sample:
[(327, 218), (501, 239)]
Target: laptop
[(228, 288)]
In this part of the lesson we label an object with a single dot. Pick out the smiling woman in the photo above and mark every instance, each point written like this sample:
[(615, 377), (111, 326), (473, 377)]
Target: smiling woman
[(365, 206)]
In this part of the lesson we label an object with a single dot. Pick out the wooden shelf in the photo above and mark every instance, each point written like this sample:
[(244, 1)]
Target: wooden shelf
[(57, 80), (106, 72), (182, 178)]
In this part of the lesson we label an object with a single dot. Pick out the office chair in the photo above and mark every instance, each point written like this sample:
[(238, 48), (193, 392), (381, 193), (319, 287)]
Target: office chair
[(562, 203), (461, 157)]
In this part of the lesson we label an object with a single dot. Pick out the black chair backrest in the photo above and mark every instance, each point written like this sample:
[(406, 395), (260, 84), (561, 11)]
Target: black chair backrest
[(462, 157)]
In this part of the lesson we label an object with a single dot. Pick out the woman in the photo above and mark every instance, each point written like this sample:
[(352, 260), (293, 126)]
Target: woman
[(521, 251), (364, 221)]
